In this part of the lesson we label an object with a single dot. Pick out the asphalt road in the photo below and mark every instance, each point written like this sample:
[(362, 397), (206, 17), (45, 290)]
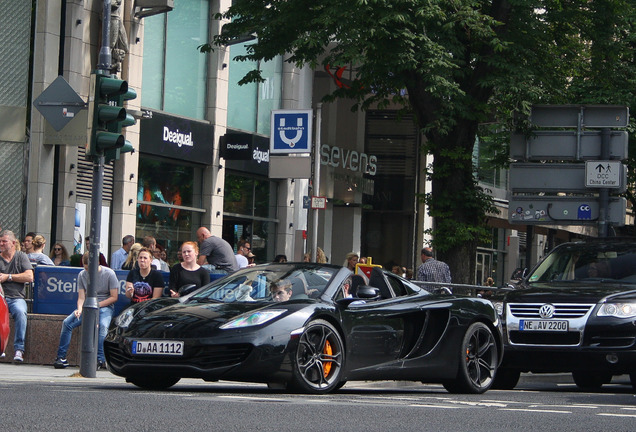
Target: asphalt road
[(41, 398)]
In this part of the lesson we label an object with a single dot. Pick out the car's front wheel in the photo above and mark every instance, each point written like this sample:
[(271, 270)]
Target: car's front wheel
[(632, 378), (591, 380), (153, 382), (506, 379), (478, 361), (319, 359)]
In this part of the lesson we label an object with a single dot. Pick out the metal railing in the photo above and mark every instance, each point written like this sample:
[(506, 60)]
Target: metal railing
[(459, 289)]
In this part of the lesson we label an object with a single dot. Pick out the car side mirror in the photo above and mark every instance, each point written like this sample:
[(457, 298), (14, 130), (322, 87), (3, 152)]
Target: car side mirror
[(368, 292), (187, 289)]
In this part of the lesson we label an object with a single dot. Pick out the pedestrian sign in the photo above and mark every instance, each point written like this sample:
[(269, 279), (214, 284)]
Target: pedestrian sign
[(605, 174), (291, 131)]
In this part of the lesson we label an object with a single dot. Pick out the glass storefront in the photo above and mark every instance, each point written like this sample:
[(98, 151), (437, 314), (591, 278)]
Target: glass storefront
[(168, 202), (249, 204)]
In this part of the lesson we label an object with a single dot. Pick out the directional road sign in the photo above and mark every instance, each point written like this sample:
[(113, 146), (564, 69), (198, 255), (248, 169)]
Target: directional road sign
[(567, 177), (546, 210), (59, 103), (605, 174), (562, 145), (587, 116)]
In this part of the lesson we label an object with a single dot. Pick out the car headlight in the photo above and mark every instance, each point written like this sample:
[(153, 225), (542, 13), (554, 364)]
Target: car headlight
[(618, 310), (499, 307), (253, 318), (124, 319)]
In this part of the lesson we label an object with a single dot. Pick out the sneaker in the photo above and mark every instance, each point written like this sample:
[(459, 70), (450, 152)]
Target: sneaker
[(19, 356), (3, 355), (60, 363), (101, 365)]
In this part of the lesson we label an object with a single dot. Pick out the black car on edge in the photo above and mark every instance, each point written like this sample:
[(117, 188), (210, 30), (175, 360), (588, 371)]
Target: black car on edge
[(574, 312), (233, 329)]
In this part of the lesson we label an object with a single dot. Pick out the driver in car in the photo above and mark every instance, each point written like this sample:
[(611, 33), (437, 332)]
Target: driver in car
[(281, 290)]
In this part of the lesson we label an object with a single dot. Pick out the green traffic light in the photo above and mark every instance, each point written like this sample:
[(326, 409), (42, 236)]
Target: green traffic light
[(112, 87), (109, 113), (108, 140), (107, 117)]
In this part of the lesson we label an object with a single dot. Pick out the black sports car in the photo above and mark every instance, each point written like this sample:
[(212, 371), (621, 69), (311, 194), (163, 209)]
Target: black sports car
[(574, 312), (308, 327)]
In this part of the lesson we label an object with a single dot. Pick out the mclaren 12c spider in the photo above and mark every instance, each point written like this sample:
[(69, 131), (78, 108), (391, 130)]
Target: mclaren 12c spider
[(310, 328)]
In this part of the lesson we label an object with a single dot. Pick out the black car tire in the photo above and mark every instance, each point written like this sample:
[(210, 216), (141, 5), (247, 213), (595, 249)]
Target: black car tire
[(318, 360), (632, 378), (506, 379), (153, 382), (592, 380), (477, 363)]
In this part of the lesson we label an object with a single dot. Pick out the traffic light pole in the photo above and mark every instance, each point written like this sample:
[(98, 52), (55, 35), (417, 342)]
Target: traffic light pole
[(90, 313)]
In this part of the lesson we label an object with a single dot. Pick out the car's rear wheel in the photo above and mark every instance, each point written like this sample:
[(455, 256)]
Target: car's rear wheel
[(319, 359), (477, 363), (592, 380), (153, 382), (506, 379)]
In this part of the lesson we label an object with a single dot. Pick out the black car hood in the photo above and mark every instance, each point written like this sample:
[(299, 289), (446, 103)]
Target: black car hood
[(193, 319), (569, 292)]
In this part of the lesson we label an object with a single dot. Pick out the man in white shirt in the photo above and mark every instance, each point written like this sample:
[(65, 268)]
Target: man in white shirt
[(242, 250)]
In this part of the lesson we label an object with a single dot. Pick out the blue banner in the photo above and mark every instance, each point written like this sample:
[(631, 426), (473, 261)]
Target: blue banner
[(55, 289)]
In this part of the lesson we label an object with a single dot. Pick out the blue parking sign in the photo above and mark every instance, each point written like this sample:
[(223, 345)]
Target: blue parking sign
[(291, 131)]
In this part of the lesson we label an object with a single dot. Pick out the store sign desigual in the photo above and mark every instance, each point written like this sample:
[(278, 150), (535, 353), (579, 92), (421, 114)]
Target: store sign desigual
[(177, 138)]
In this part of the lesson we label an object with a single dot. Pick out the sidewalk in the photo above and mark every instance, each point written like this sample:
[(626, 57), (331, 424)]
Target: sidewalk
[(31, 372), (35, 373)]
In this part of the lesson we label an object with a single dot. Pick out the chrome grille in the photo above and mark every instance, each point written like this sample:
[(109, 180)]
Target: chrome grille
[(562, 310)]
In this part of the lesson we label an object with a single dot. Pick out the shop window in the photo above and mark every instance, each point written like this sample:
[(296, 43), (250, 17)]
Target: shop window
[(249, 213), (168, 202)]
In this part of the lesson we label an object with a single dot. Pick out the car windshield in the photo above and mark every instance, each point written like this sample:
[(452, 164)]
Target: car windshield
[(264, 283), (612, 262)]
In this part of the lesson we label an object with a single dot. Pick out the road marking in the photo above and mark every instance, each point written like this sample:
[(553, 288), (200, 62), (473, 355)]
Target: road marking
[(617, 415), (433, 406), (536, 410)]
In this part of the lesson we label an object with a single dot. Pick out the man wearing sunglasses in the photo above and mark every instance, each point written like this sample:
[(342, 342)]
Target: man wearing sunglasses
[(242, 251)]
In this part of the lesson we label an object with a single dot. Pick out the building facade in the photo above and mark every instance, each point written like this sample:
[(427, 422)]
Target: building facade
[(202, 146)]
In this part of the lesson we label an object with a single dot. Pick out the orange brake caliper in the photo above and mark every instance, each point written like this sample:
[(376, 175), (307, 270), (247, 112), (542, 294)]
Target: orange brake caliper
[(327, 365)]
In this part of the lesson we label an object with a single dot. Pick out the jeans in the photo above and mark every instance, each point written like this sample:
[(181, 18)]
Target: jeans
[(71, 322), (18, 310)]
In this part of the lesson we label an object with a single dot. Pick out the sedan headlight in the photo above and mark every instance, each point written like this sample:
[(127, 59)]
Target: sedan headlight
[(124, 319), (618, 310), (499, 307), (253, 318)]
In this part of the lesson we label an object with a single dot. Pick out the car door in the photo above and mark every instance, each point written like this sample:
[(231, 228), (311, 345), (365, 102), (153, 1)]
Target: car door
[(378, 330)]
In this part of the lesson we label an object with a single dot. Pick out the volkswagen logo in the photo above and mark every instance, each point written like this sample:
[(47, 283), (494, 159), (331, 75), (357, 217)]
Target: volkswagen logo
[(546, 311)]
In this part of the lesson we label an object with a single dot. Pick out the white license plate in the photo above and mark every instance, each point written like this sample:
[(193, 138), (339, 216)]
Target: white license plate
[(158, 347), (543, 325)]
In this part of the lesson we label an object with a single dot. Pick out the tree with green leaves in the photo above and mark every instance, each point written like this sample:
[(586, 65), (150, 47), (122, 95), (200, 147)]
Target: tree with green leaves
[(467, 66)]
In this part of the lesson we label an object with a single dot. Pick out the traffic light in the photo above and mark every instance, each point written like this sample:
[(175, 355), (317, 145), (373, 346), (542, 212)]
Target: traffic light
[(107, 116), (115, 127)]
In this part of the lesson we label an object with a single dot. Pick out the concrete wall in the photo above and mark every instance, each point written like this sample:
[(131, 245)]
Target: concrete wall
[(42, 339)]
